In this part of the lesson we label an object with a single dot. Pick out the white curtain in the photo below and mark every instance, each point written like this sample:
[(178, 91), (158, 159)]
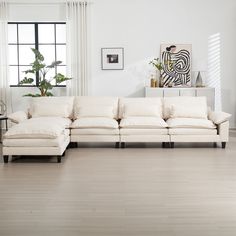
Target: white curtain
[(77, 47), (4, 83)]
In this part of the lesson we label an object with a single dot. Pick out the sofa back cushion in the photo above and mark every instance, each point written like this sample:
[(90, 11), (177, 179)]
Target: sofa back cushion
[(52, 106), (149, 107), (185, 107), (96, 107)]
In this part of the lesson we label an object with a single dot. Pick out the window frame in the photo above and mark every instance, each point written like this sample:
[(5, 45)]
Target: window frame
[(36, 46)]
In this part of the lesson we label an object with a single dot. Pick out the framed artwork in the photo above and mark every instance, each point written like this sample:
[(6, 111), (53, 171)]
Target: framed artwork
[(112, 58), (176, 61)]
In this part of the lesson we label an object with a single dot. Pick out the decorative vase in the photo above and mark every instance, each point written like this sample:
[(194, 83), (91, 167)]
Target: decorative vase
[(199, 82)]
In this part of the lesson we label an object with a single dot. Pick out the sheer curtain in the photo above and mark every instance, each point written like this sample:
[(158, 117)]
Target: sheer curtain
[(77, 47), (4, 85)]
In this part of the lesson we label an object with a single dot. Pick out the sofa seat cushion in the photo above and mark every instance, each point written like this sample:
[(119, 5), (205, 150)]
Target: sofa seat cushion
[(95, 122), (36, 142), (35, 129), (190, 123), (189, 131), (94, 131), (143, 122), (125, 131)]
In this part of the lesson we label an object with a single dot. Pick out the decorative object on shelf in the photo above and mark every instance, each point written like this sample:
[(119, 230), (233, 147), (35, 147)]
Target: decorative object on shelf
[(176, 61), (199, 81), (153, 82), (40, 68), (112, 58), (158, 66), (2, 108)]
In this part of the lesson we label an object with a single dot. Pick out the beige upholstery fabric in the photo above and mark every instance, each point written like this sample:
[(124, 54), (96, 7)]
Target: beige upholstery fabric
[(91, 131), (95, 122), (124, 131), (188, 131)]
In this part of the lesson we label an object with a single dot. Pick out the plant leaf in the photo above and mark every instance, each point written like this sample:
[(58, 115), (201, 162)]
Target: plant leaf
[(54, 63), (32, 95), (61, 78), (26, 81)]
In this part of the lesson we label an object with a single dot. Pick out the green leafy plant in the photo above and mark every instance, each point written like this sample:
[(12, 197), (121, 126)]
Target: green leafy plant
[(156, 63), (44, 84)]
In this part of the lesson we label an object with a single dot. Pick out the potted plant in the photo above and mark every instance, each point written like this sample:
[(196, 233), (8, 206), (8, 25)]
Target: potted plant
[(158, 66), (45, 85)]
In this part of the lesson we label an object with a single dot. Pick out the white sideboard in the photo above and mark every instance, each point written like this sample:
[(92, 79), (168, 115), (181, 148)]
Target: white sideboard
[(207, 92)]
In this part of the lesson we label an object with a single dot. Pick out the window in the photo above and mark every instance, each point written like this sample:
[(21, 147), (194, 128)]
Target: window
[(48, 37)]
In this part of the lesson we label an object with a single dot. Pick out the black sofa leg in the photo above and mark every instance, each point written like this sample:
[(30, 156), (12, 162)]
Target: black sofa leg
[(223, 145), (5, 159), (215, 145), (172, 144), (58, 159), (117, 145), (122, 144), (73, 145), (163, 144), (64, 153)]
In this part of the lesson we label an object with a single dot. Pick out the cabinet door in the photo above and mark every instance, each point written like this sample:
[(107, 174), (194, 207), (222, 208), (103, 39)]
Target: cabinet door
[(187, 92), (209, 93), (171, 92), (153, 92)]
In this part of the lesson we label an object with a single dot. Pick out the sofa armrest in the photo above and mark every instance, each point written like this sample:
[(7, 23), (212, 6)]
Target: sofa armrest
[(218, 117), (18, 116), (223, 131)]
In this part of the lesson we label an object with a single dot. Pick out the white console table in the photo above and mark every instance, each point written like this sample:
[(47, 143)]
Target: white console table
[(207, 92)]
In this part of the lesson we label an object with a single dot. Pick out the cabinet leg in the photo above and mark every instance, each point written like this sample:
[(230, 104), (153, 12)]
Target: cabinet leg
[(223, 145), (5, 159)]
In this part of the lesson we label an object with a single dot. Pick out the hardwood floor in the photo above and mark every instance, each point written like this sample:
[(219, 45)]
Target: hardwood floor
[(114, 192)]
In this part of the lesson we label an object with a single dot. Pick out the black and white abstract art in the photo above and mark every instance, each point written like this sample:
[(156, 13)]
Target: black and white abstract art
[(176, 61)]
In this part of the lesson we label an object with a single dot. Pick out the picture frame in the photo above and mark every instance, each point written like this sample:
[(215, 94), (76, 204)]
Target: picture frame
[(112, 58), (176, 61)]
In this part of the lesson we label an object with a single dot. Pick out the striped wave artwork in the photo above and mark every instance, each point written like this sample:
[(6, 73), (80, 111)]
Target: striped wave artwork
[(176, 62)]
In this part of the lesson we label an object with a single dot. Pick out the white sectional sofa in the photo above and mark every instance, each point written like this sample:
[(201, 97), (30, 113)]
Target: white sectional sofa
[(51, 123)]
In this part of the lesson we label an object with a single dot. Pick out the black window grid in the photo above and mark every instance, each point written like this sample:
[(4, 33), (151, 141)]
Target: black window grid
[(36, 46)]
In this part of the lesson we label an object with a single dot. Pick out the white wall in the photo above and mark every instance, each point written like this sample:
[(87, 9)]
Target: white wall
[(140, 26)]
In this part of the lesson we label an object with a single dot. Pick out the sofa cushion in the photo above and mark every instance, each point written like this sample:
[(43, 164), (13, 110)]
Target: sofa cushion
[(182, 111), (17, 116), (95, 122), (187, 102), (141, 107), (52, 106), (192, 131), (96, 111), (143, 122), (94, 131), (36, 142), (190, 123), (141, 110), (219, 117), (90, 101), (35, 130), (151, 131), (60, 121)]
